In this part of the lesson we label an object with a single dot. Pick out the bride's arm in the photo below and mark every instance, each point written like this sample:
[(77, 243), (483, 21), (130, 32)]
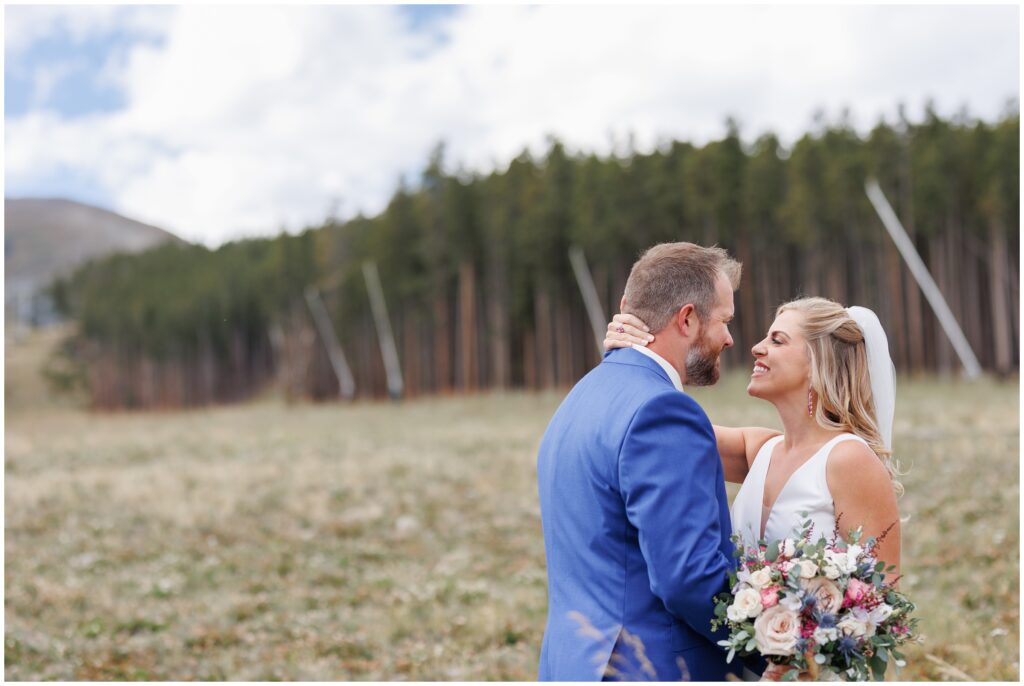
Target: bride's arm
[(863, 495), (738, 447)]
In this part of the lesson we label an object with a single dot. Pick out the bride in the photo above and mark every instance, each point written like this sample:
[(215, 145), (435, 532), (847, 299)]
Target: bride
[(827, 371)]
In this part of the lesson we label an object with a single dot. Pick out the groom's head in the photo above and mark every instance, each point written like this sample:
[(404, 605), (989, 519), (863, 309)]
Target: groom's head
[(683, 292)]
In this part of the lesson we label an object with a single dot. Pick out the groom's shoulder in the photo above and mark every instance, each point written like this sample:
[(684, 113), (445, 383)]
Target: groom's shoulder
[(630, 368), (669, 401)]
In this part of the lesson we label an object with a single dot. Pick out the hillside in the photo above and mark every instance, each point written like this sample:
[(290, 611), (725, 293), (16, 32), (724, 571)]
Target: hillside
[(45, 238)]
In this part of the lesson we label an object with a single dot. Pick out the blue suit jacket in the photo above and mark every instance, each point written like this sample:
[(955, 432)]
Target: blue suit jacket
[(636, 528)]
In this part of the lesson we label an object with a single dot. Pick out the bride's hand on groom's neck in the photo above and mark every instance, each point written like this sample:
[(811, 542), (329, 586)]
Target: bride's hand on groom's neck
[(625, 330)]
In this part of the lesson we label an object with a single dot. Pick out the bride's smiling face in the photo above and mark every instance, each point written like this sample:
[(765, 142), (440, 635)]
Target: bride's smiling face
[(781, 361)]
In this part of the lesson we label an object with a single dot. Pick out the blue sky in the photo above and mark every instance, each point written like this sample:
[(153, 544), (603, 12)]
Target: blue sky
[(173, 116), (78, 59), (72, 90)]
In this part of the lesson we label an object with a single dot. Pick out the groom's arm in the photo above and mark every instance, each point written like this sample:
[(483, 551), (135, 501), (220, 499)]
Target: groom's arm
[(669, 474)]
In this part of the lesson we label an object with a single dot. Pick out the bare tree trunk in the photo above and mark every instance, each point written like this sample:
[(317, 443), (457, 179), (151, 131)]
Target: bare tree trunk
[(747, 315), (442, 364), (562, 338), (835, 274), (945, 355), (894, 302), (1014, 292), (965, 295), (543, 349), (998, 291), (621, 275), (530, 376), (410, 353), (498, 333), (467, 327)]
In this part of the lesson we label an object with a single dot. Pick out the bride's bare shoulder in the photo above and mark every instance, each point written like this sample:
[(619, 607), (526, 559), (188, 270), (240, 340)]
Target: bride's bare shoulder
[(853, 462)]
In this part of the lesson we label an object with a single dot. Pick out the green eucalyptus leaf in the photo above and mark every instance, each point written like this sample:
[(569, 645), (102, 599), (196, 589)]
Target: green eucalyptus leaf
[(877, 668)]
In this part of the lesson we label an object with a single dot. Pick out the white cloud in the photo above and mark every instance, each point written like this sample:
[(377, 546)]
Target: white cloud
[(26, 24), (248, 118)]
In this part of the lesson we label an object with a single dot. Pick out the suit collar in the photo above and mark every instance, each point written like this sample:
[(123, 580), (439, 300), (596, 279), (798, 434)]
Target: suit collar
[(646, 358)]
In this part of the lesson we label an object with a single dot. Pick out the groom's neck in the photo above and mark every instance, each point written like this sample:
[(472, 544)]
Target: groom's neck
[(670, 350)]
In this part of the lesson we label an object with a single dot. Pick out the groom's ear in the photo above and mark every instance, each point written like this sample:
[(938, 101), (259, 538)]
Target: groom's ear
[(622, 305), (686, 321)]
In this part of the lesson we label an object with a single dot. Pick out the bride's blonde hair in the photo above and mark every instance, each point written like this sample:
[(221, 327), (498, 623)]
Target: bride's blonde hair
[(839, 375)]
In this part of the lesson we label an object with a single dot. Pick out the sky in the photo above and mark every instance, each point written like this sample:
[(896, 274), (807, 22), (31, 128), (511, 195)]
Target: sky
[(218, 123)]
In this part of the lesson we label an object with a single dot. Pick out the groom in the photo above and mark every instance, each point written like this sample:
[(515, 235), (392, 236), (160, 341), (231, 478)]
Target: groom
[(633, 504)]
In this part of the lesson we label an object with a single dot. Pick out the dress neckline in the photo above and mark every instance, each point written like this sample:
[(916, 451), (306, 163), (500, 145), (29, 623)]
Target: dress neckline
[(766, 516)]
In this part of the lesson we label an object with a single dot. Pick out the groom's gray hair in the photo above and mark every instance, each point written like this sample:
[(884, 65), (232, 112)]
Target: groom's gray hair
[(670, 275)]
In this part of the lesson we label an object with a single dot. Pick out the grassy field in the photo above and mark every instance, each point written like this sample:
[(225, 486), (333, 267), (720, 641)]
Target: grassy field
[(402, 541)]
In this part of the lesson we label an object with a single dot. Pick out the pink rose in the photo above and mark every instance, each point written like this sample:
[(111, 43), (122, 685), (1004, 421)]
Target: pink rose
[(857, 591), (769, 596)]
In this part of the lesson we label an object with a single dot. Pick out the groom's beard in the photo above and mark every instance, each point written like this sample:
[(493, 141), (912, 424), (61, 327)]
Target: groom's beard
[(702, 364)]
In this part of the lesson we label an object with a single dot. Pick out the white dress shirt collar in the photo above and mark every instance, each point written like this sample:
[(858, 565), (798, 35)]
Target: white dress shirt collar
[(663, 363)]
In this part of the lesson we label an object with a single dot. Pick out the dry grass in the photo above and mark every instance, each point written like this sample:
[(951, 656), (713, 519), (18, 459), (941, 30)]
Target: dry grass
[(383, 541)]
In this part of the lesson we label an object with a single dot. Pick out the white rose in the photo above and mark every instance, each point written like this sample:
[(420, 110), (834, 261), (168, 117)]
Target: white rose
[(832, 572), (808, 570), (734, 614), (823, 636), (776, 631), (747, 603), (787, 548), (852, 626), (853, 552), (841, 561), (760, 578)]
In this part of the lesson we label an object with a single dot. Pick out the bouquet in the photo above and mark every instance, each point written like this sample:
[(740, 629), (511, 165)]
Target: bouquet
[(820, 608)]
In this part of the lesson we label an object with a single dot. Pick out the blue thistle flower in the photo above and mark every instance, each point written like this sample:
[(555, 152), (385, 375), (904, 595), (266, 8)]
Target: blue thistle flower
[(849, 648), (809, 601), (825, 620)]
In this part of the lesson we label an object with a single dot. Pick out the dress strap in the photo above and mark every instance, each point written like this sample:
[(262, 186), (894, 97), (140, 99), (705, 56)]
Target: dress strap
[(820, 458), (764, 454)]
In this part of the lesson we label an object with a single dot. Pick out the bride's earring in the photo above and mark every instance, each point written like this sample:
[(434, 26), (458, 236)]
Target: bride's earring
[(810, 403)]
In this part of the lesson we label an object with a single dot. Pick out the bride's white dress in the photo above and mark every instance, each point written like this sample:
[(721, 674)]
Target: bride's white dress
[(805, 491)]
